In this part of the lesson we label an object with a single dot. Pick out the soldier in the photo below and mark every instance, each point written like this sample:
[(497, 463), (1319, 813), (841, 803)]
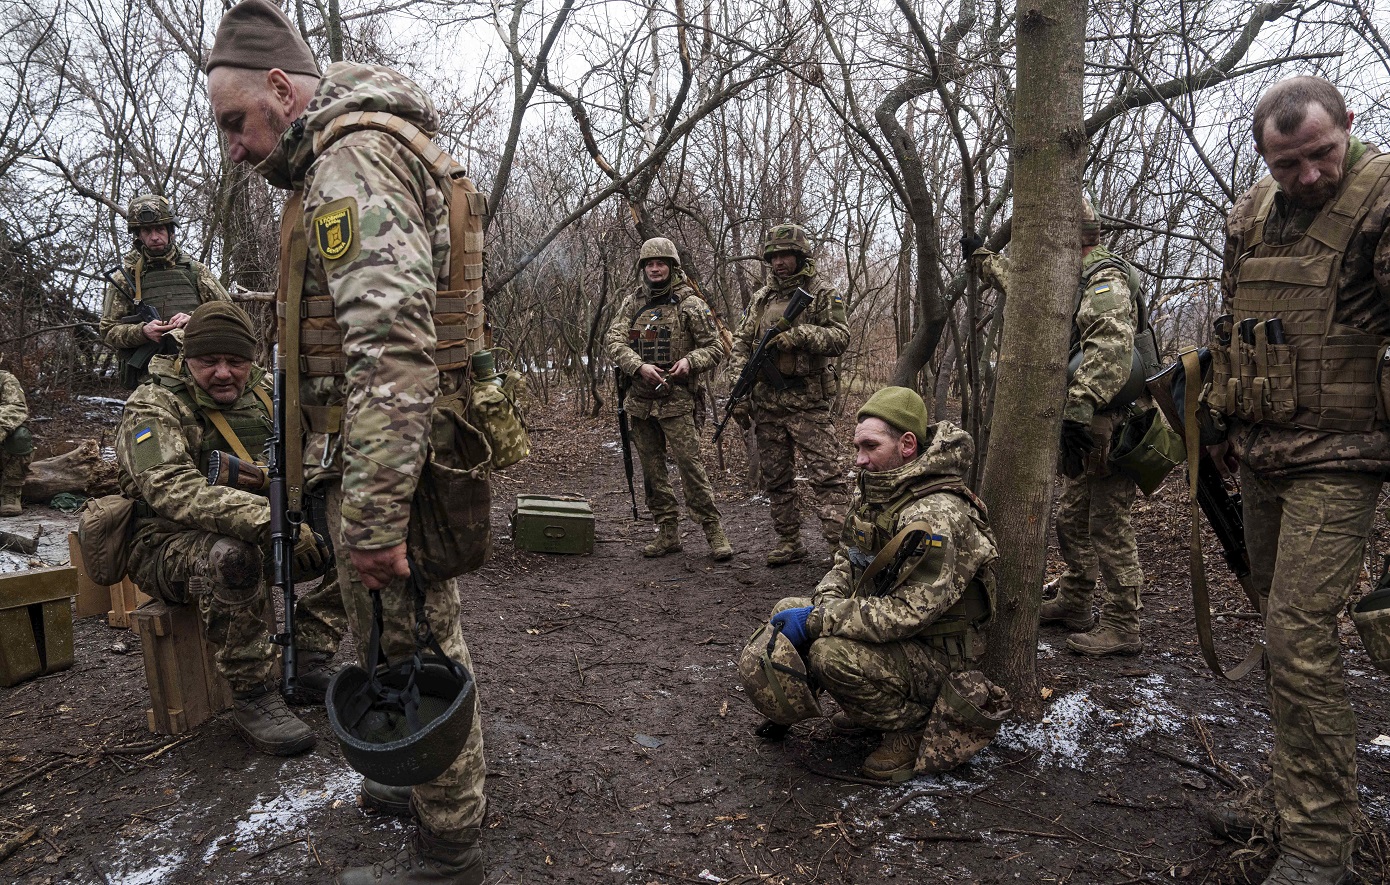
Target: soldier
[(16, 444), (205, 545), (1306, 279), (895, 629), (662, 340), (377, 252), (797, 419), (156, 278)]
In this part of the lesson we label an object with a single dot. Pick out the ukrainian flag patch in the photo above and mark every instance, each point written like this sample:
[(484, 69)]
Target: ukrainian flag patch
[(144, 434), (936, 540), (1101, 290)]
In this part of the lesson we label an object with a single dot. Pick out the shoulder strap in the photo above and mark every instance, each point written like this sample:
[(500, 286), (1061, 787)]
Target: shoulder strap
[(294, 258), (219, 421), (890, 550)]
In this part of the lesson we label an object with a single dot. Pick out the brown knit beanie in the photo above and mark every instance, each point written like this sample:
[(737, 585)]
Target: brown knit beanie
[(219, 327), (900, 408), (255, 34)]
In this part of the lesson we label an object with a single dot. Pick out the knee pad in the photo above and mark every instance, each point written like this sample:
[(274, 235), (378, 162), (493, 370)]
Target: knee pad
[(19, 442), (234, 568)]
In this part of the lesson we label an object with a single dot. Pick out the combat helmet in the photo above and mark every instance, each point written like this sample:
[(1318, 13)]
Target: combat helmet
[(148, 209), (775, 678), (1371, 615), (787, 238), (658, 247), (1090, 224), (966, 716)]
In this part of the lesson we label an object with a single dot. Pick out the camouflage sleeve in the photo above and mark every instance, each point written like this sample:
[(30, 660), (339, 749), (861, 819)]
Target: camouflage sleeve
[(838, 583), (14, 411), (159, 463), (209, 288), (745, 337), (1106, 320), (935, 581), (824, 327), (700, 323), (383, 289), (118, 335), (616, 340), (993, 269)]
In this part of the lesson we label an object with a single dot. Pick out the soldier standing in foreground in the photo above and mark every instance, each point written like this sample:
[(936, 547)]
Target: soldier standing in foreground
[(796, 419), (663, 338), (1298, 381), (16, 444), (896, 627), (156, 275), (385, 348)]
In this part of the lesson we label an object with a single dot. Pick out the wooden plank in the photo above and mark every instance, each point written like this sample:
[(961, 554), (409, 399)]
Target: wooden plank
[(19, 653), (125, 598), (185, 688), (92, 598), (37, 586)]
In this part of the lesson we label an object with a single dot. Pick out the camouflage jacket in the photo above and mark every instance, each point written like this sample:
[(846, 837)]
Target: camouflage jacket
[(700, 331), (822, 331), (382, 289), (116, 304), (961, 550), (157, 447), (1364, 278), (14, 410)]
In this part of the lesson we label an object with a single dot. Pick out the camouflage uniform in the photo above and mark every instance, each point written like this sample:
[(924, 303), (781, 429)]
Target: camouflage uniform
[(382, 289), (1309, 493), (667, 418), (798, 419), (883, 658), (16, 443), (171, 283), (204, 545)]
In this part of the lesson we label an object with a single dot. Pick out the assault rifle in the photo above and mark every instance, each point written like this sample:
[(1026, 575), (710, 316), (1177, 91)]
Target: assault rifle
[(137, 358), (882, 581), (625, 434), (284, 532), (759, 365)]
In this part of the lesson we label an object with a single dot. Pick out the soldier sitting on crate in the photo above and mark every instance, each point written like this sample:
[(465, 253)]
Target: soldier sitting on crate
[(896, 628), (206, 544), (16, 443)]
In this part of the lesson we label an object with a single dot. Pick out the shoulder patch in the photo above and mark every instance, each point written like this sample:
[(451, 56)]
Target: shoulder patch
[(146, 451), (335, 230)]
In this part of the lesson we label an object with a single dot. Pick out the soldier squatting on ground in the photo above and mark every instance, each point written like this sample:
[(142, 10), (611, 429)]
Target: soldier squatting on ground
[(16, 444)]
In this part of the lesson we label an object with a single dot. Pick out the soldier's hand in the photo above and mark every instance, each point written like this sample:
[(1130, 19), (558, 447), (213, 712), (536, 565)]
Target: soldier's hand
[(680, 370), (651, 374), (1077, 443), (179, 320), (155, 331), (1224, 456), (379, 568), (742, 415), (784, 341), (310, 555)]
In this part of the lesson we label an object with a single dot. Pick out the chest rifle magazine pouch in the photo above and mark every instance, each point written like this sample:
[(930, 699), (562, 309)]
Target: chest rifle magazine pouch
[(449, 533)]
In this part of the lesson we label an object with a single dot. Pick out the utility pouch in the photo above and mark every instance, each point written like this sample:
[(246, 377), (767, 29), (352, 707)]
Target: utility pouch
[(1371, 615), (104, 533), (1146, 450), (449, 532), (1280, 367), (493, 410), (1220, 395)]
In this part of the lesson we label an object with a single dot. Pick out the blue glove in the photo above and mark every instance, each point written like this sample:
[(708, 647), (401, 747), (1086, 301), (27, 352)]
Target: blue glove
[(793, 625)]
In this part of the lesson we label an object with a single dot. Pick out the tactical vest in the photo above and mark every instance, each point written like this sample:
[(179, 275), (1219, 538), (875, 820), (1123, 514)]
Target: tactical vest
[(658, 335), (791, 364), (1320, 376), (459, 322), (955, 635), (241, 431), (168, 288)]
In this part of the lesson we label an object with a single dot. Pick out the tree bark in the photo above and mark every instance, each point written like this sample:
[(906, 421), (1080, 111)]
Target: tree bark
[(1050, 151)]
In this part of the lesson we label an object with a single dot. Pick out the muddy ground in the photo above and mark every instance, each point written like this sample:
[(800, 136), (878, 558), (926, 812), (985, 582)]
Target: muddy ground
[(620, 749)]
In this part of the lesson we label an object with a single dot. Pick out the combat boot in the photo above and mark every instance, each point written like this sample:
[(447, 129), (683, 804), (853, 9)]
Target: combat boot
[(429, 861), (311, 684), (719, 547), (1246, 816), (260, 715), (1074, 618), (1106, 640), (841, 724), (896, 757), (790, 550), (10, 502), (384, 798), (1291, 870), (668, 540)]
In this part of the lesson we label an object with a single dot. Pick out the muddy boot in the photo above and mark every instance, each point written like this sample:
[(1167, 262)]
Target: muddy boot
[(268, 725), (789, 551), (1245, 817), (719, 548), (384, 798), (1106, 640), (895, 758), (1076, 618), (771, 731), (1292, 870), (668, 540), (842, 725), (429, 861), (315, 672), (10, 502)]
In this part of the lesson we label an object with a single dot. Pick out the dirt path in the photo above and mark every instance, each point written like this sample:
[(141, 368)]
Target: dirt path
[(620, 751)]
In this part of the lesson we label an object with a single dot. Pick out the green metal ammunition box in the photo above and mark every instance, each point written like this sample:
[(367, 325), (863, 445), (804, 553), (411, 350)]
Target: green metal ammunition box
[(544, 524), (36, 623)]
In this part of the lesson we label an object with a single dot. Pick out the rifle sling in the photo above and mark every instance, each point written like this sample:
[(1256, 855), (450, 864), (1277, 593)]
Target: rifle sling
[(220, 422), (1201, 599), (890, 550), (295, 251)]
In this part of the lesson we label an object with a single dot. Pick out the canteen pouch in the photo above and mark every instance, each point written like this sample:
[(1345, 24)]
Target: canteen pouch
[(104, 532), (449, 533), (493, 410)]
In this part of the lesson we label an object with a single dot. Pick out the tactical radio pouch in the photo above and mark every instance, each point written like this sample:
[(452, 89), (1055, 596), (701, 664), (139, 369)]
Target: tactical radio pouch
[(493, 409), (449, 532)]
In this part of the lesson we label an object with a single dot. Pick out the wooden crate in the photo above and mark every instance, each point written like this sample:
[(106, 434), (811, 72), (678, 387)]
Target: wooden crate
[(35, 623), (116, 601), (185, 688), (125, 599)]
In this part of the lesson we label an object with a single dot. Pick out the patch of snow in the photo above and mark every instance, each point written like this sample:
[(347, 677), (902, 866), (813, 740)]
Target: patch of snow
[(163, 870), (271, 817), (103, 401)]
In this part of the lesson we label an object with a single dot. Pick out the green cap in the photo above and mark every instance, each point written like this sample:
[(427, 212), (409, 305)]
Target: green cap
[(220, 327), (256, 35), (900, 407)]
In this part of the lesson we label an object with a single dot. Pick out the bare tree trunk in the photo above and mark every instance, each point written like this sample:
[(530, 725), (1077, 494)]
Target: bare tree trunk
[(1050, 150)]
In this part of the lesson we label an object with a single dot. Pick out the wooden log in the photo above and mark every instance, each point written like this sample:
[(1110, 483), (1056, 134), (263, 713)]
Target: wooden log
[(21, 543), (74, 471)]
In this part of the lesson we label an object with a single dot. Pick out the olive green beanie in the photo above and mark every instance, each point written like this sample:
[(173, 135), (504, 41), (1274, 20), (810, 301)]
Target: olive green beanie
[(901, 408), (256, 35), (219, 327)]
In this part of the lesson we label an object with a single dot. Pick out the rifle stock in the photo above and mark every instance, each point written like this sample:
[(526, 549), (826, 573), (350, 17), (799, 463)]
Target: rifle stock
[(759, 365)]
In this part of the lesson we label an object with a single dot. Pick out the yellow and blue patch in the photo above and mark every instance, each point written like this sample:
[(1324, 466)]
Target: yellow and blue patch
[(935, 540), (144, 434)]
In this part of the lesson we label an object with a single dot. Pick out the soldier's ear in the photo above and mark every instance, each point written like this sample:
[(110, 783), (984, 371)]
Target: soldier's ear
[(907, 445)]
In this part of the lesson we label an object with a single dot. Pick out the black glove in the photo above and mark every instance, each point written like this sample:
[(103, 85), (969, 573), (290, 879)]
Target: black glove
[(969, 243), (311, 556), (1077, 443)]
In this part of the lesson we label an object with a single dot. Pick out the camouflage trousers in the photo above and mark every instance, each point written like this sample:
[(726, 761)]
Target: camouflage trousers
[(452, 805), (15, 454), (228, 585), (782, 435), (1306, 538), (654, 437), (1095, 536)]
